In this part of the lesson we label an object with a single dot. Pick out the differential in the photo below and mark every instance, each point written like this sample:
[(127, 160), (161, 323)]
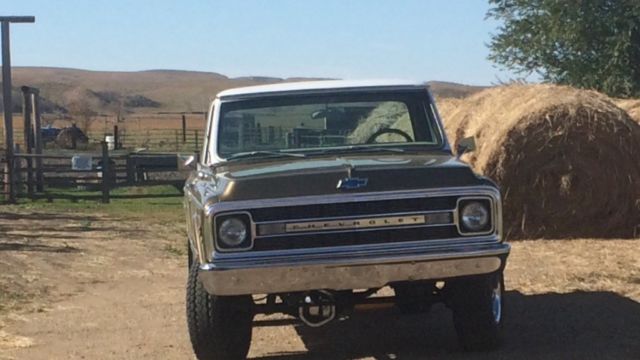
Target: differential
[(317, 308)]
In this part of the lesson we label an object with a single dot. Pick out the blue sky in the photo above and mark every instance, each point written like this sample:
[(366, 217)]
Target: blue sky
[(410, 39)]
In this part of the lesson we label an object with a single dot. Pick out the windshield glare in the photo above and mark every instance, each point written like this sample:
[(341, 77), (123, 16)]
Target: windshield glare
[(324, 123)]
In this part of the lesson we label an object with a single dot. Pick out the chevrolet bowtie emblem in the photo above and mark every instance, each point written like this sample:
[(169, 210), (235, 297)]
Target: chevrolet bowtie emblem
[(352, 183)]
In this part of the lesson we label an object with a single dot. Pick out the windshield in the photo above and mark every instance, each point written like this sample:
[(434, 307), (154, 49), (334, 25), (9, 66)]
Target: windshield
[(311, 123)]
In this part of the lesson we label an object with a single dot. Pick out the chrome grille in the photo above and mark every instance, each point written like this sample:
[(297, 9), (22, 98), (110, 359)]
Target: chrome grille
[(317, 240), (354, 223)]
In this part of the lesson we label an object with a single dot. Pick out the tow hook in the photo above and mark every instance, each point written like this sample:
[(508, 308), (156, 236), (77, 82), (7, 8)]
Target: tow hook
[(317, 309)]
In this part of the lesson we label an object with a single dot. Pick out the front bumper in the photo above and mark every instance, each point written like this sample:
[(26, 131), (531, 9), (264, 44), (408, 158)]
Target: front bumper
[(349, 270)]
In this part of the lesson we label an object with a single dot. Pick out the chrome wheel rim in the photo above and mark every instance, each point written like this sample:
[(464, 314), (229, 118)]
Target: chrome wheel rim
[(496, 303)]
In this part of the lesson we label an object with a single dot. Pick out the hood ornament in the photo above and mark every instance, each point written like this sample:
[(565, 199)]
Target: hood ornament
[(352, 183)]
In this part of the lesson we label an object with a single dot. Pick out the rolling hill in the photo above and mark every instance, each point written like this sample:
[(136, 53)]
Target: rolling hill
[(63, 89)]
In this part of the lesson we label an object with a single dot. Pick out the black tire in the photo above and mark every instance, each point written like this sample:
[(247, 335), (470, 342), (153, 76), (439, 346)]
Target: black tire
[(219, 326), (478, 311)]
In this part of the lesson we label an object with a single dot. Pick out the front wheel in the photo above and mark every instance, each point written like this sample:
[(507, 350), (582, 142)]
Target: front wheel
[(478, 311), (219, 326)]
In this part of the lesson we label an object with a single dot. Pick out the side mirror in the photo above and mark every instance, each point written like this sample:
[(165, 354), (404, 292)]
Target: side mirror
[(187, 162), (465, 145)]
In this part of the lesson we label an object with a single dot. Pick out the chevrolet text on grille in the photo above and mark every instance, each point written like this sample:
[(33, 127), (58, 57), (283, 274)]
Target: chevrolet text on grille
[(354, 224), (439, 218)]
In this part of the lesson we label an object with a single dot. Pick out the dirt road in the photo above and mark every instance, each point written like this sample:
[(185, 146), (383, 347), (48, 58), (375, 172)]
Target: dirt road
[(78, 286)]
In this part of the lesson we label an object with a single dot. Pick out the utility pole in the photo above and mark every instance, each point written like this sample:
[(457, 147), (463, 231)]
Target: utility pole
[(9, 176)]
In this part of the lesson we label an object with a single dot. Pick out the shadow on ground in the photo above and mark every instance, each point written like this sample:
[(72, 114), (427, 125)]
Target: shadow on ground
[(18, 233), (12, 246), (63, 216), (591, 325)]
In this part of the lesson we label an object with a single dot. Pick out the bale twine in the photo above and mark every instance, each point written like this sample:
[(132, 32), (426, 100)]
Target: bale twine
[(567, 160)]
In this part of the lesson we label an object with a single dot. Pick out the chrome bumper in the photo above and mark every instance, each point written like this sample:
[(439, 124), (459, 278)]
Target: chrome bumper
[(344, 271)]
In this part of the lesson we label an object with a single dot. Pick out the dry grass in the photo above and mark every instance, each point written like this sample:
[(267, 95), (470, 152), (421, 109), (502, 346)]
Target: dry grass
[(566, 266)]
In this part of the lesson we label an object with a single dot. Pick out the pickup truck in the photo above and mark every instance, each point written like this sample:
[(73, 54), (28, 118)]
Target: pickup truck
[(317, 199)]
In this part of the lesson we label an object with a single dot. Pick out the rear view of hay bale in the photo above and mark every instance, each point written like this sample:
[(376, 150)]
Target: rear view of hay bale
[(387, 115), (567, 160)]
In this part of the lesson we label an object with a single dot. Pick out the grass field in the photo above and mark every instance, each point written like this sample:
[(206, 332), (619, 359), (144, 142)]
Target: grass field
[(139, 202)]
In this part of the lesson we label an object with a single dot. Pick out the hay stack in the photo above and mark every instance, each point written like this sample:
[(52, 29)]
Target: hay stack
[(71, 138), (567, 160), (447, 105)]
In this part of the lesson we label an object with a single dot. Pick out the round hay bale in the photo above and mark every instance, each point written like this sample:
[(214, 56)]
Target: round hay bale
[(567, 160), (71, 137), (386, 115), (447, 105)]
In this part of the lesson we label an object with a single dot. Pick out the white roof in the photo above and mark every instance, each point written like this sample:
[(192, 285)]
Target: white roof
[(303, 86)]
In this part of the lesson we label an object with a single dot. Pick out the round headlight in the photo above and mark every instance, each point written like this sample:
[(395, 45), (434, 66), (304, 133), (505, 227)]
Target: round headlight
[(475, 216), (232, 231)]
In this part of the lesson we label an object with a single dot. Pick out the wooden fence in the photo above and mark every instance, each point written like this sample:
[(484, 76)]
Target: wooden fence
[(185, 140), (177, 140), (157, 132), (35, 175)]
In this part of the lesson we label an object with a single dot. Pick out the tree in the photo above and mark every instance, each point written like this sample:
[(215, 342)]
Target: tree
[(591, 44), (82, 110)]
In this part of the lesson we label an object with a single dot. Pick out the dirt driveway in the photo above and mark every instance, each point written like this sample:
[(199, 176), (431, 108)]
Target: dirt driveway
[(84, 286)]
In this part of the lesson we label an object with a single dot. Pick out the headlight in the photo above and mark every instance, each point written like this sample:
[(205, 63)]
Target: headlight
[(232, 232), (474, 216)]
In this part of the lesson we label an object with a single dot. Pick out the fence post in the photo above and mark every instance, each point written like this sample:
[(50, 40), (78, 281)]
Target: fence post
[(27, 108), (131, 173), (184, 129), (177, 143), (116, 139), (9, 185), (37, 129), (17, 171), (105, 172), (196, 139)]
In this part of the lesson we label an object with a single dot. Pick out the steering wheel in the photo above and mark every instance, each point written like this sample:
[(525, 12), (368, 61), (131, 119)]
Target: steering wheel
[(375, 135)]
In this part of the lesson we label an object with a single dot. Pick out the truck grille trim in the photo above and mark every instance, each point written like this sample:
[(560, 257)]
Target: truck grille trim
[(332, 239), (352, 209), (354, 223)]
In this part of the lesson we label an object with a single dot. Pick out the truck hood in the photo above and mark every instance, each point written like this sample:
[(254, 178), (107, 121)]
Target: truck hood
[(287, 177)]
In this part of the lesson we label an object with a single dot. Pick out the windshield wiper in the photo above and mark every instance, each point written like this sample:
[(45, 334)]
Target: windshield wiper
[(263, 153), (358, 148)]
